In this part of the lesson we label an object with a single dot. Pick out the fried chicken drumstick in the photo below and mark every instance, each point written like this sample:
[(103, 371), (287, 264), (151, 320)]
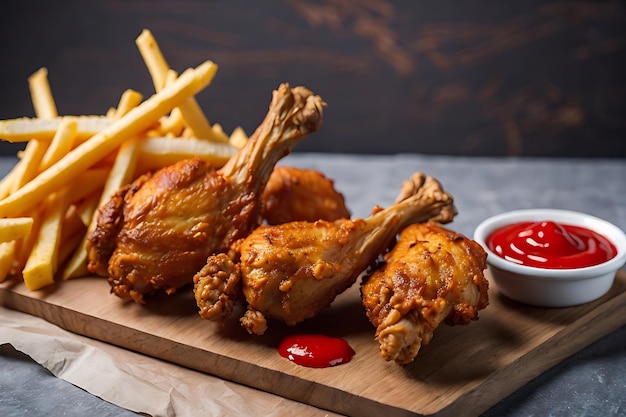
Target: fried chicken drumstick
[(294, 194), (292, 271), (431, 275), (156, 233)]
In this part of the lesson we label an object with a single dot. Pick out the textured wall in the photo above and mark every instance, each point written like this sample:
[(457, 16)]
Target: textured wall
[(519, 77)]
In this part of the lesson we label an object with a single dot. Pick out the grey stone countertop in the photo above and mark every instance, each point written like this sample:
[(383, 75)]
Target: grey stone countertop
[(591, 382)]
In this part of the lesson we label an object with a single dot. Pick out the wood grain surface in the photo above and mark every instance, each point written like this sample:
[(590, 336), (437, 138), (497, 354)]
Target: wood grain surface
[(463, 371)]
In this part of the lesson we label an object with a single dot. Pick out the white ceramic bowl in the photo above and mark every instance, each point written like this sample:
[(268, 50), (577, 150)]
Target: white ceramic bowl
[(552, 287)]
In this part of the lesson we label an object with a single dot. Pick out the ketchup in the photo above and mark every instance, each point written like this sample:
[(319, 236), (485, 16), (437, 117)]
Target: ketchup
[(551, 245), (315, 350)]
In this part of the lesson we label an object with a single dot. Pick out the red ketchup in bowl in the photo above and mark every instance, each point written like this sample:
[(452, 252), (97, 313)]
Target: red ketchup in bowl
[(551, 245), (315, 350)]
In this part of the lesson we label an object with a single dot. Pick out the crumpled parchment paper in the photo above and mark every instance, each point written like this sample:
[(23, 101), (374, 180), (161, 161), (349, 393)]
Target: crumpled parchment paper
[(137, 382)]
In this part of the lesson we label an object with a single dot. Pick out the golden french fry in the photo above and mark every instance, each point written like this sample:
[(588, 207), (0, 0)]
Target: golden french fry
[(61, 143), (15, 228), (88, 153), (170, 76), (26, 168), (24, 129), (219, 131), (157, 153), (153, 58), (197, 121), (238, 137), (42, 263), (187, 133), (76, 265), (122, 171), (7, 258), (6, 184), (41, 95), (173, 125), (129, 100), (73, 230), (86, 208), (25, 245), (159, 69)]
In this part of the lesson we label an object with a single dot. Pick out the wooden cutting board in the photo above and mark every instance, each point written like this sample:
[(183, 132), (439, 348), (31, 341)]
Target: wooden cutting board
[(463, 371)]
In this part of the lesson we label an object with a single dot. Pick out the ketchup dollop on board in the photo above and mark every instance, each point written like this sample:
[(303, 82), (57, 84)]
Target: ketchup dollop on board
[(551, 245), (315, 350)]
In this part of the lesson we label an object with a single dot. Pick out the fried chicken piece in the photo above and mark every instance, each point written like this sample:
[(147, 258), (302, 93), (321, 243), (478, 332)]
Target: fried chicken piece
[(157, 233), (431, 275), (217, 281), (292, 271), (295, 194)]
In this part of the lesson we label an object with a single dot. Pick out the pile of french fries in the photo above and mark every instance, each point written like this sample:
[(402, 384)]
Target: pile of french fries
[(73, 164)]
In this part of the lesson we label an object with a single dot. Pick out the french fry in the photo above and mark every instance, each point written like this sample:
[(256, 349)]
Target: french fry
[(86, 208), (41, 95), (45, 108), (158, 69), (187, 133), (42, 263), (86, 154), (15, 228), (76, 266), (6, 185), (61, 143), (26, 169), (197, 122), (24, 129), (72, 254), (157, 153), (218, 131), (122, 171), (170, 75), (238, 138), (153, 58), (7, 258), (129, 100), (73, 231), (25, 245), (173, 125)]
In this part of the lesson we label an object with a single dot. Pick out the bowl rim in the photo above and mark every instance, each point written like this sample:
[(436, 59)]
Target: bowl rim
[(608, 229)]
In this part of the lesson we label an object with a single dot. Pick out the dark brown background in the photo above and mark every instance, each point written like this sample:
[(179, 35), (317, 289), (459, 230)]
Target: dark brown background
[(518, 78)]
